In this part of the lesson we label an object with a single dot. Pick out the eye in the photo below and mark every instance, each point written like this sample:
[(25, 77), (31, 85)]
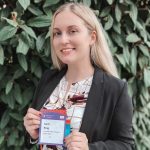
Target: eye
[(72, 31), (55, 34)]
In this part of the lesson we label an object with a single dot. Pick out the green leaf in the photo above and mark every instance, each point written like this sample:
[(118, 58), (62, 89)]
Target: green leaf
[(4, 12), (2, 72), (48, 12), (133, 60), (5, 119), (118, 39), (9, 86), (118, 13), (143, 61), (10, 99), (133, 13), (147, 77), (50, 3), (17, 94), (110, 1), (37, 1), (18, 73), (28, 94), (11, 22), (87, 2), (40, 42), (24, 3), (20, 11), (105, 11), (7, 32), (143, 34), (11, 140), (132, 38), (120, 57), (109, 23), (41, 21), (117, 27), (38, 71), (34, 64), (131, 86), (22, 47), (25, 37), (47, 47), (139, 26), (23, 62), (144, 50), (16, 116), (126, 54), (145, 93), (148, 43), (1, 55), (27, 97), (1, 139), (35, 10), (48, 34), (28, 30)]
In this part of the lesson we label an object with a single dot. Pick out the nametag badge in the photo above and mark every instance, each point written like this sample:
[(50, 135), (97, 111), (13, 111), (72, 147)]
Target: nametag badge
[(52, 127)]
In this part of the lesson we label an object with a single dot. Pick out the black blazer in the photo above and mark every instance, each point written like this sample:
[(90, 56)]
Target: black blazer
[(107, 121)]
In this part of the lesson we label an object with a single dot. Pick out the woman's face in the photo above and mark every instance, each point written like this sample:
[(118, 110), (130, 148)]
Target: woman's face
[(71, 39)]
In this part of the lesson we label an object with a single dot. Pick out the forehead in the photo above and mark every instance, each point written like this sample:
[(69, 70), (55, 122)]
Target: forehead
[(67, 18)]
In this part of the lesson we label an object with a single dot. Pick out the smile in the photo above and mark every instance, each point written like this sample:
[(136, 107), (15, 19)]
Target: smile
[(67, 49)]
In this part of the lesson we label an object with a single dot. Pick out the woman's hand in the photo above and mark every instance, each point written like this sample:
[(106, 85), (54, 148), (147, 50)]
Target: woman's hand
[(77, 141), (32, 122)]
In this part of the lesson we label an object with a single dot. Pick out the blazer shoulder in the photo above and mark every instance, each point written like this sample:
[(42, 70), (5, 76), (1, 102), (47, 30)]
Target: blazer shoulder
[(49, 74), (113, 81), (100, 76), (113, 85)]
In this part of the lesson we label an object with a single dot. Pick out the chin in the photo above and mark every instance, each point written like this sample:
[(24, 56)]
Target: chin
[(68, 62)]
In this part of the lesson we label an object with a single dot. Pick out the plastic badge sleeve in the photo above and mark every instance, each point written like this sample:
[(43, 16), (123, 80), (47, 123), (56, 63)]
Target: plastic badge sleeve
[(52, 127)]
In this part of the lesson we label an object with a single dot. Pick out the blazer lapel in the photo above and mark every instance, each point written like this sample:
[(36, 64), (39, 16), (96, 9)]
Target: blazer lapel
[(93, 105), (50, 87)]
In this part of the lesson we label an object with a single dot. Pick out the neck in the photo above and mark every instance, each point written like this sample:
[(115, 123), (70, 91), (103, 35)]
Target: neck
[(78, 73)]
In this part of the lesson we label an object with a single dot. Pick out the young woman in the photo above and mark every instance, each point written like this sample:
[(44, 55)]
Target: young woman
[(85, 83)]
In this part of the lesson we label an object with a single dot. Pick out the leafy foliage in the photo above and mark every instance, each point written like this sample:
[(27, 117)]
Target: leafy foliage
[(25, 54)]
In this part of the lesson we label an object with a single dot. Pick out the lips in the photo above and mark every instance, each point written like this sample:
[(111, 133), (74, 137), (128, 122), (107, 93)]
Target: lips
[(67, 49)]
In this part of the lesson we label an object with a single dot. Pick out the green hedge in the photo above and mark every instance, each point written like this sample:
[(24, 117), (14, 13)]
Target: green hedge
[(25, 54)]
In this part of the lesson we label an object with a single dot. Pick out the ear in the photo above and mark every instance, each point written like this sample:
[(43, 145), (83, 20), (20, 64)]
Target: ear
[(93, 37)]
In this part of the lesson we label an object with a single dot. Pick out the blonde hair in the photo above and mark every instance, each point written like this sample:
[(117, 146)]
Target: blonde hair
[(100, 53)]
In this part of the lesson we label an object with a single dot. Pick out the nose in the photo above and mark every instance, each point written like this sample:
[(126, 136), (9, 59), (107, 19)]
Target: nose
[(64, 38)]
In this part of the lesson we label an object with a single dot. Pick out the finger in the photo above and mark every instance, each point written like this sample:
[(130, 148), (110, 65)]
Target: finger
[(73, 133), (32, 128), (34, 111), (32, 116), (33, 122), (73, 139), (33, 131), (29, 122), (76, 134), (73, 148), (78, 138), (76, 145)]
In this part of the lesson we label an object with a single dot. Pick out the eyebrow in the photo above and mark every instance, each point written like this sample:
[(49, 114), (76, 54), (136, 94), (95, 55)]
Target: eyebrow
[(71, 26)]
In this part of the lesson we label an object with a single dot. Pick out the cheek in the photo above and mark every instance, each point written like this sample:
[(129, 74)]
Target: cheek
[(54, 44), (86, 40)]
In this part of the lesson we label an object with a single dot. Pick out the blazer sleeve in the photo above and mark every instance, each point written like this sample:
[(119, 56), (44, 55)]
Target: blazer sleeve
[(120, 133), (45, 77)]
